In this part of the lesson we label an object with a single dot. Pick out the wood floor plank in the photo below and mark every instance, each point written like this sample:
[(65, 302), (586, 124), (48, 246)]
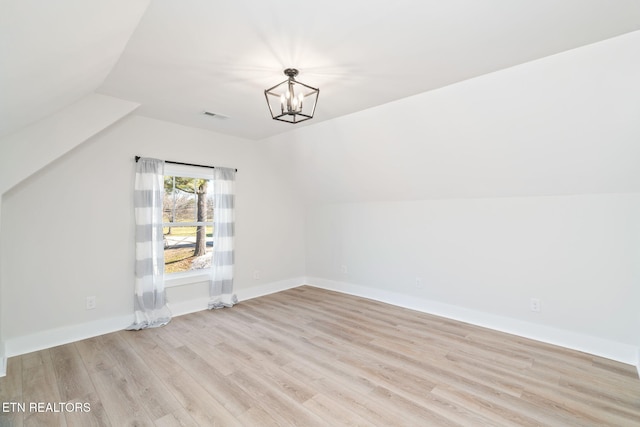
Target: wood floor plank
[(72, 376), (620, 369), (11, 394), (257, 416), (227, 392), (350, 391), (312, 357), (118, 394), (39, 386), (332, 413), (499, 414), (155, 348), (409, 411), (95, 416), (201, 406), (157, 401), (274, 402), (180, 418), (534, 389)]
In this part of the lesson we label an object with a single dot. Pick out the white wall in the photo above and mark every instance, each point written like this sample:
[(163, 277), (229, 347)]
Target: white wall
[(30, 149), (67, 231), (577, 254), (3, 360), (518, 184)]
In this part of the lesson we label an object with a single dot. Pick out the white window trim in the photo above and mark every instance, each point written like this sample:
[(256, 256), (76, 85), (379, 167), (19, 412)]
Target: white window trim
[(188, 171), (187, 278)]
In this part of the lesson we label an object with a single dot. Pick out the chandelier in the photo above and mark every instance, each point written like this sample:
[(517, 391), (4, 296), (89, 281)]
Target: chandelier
[(292, 101)]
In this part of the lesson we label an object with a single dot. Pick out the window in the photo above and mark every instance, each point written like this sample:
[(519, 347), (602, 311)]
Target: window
[(187, 219)]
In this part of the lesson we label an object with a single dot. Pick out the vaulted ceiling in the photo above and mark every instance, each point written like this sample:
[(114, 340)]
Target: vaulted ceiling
[(179, 58)]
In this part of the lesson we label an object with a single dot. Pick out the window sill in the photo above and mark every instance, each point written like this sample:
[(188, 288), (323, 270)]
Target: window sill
[(188, 278)]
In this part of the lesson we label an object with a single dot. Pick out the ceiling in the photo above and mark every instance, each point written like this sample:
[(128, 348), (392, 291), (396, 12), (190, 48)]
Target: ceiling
[(52, 53), (180, 58)]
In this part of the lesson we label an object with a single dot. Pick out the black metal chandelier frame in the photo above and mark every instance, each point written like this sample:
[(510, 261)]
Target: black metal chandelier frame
[(292, 101)]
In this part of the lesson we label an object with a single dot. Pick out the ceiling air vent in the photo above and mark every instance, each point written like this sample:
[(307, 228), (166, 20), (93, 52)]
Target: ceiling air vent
[(216, 115)]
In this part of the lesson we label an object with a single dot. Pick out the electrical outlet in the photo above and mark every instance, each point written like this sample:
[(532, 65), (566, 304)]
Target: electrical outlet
[(256, 275), (419, 282), (535, 305), (91, 303), (344, 269)]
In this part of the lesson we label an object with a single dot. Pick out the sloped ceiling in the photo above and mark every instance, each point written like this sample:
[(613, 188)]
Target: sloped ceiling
[(53, 53), (184, 57), (562, 125)]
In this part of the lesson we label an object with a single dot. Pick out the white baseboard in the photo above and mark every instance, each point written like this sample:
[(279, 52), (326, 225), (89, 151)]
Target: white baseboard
[(270, 288), (185, 307), (199, 304), (59, 336), (589, 344), (613, 350)]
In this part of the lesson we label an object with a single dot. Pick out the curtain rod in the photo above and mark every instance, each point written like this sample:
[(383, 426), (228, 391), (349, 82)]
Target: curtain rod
[(185, 164)]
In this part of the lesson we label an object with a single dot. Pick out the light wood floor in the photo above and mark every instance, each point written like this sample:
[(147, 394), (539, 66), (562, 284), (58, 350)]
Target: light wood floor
[(310, 357)]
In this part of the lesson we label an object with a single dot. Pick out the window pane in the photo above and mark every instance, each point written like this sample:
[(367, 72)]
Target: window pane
[(167, 201), (185, 207), (168, 204), (185, 197), (210, 201), (180, 250)]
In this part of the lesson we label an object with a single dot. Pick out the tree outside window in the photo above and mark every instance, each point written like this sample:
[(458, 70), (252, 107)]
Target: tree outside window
[(187, 223)]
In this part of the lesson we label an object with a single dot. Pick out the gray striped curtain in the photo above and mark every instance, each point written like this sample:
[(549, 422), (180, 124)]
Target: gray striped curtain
[(221, 285), (150, 302)]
